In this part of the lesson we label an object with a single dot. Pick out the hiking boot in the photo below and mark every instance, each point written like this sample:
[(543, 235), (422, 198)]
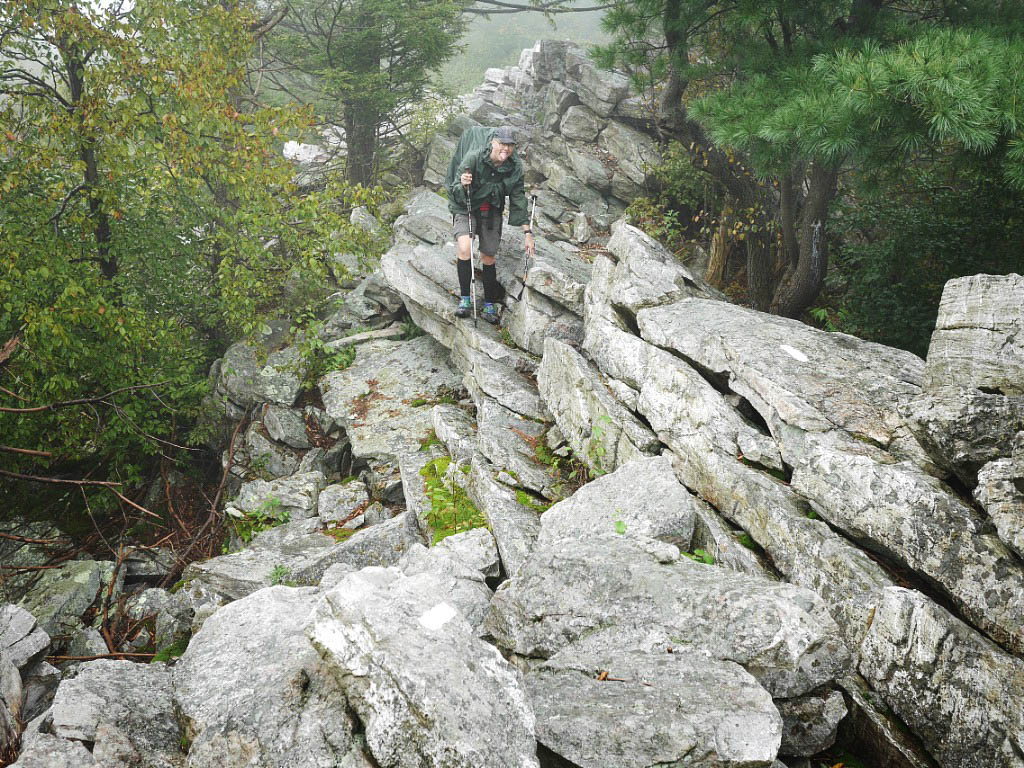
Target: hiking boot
[(465, 307), (490, 312)]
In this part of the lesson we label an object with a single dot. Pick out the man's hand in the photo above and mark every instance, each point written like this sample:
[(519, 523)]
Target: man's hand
[(530, 247), (466, 178)]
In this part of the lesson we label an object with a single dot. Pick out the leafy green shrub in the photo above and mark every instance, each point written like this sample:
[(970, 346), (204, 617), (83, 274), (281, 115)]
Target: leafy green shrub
[(451, 510), (246, 524)]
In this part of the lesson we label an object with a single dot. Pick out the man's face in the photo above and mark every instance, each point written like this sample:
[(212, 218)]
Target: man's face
[(501, 152)]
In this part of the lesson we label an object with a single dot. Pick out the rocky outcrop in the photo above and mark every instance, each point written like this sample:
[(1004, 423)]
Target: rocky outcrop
[(713, 536)]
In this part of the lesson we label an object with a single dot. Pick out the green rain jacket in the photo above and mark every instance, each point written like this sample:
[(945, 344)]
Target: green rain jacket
[(491, 184)]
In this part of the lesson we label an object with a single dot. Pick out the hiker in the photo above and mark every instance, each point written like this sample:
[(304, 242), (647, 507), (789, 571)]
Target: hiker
[(491, 172)]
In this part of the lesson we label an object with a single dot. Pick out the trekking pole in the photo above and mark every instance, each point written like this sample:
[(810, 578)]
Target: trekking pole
[(522, 288), (472, 265)]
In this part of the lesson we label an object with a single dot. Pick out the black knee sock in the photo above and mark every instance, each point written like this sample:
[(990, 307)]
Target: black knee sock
[(490, 282), (465, 276)]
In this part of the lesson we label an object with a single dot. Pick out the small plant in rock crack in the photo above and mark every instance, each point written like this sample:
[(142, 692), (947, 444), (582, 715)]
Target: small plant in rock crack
[(280, 575), (620, 526), (410, 330), (248, 523), (701, 556), (595, 447), (451, 510)]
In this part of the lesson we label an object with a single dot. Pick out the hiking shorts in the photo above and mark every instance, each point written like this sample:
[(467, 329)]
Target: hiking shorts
[(487, 226)]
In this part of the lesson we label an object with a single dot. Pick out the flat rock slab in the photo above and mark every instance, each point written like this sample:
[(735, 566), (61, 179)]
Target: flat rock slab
[(124, 709), (456, 429), (602, 432), (373, 398), (21, 638), (898, 509), (978, 340), (498, 379), (956, 690), (633, 709), (428, 691), (806, 551), (642, 497), (290, 547), (781, 634), (509, 440), (795, 374), (515, 526), (253, 692)]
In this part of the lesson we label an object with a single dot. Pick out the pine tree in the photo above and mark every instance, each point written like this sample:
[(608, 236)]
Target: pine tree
[(776, 99)]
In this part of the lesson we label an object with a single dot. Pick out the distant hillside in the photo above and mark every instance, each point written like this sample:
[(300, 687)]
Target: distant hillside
[(498, 41)]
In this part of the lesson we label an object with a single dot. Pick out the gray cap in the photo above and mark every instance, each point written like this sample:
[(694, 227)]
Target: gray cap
[(505, 134)]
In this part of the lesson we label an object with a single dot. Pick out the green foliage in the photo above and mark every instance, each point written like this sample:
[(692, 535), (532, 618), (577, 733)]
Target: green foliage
[(906, 234), (451, 510), (620, 527), (700, 556), (173, 651), (246, 524), (531, 501), (596, 448), (279, 574), (410, 330), (799, 92), (364, 63), (316, 359), (146, 218), (746, 540), (429, 440)]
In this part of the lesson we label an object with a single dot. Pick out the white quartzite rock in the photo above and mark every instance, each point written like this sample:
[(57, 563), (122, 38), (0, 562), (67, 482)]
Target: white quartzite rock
[(1001, 492), (642, 497), (123, 709), (288, 498), (652, 709), (955, 689), (371, 397), (428, 691), (602, 432), (614, 585), (978, 340), (254, 693)]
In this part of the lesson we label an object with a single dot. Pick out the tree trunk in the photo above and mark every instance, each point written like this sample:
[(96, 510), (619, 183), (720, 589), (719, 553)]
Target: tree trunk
[(801, 283), (361, 138), (720, 247), (75, 68)]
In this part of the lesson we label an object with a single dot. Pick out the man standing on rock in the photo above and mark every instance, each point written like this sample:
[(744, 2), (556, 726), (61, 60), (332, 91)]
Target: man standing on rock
[(489, 174)]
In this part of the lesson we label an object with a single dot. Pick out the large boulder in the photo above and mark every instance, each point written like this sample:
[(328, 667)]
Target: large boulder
[(253, 692), (377, 398), (606, 591), (122, 712), (640, 498), (642, 710), (62, 595), (427, 690), (958, 691), (246, 380), (602, 432), (978, 341)]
